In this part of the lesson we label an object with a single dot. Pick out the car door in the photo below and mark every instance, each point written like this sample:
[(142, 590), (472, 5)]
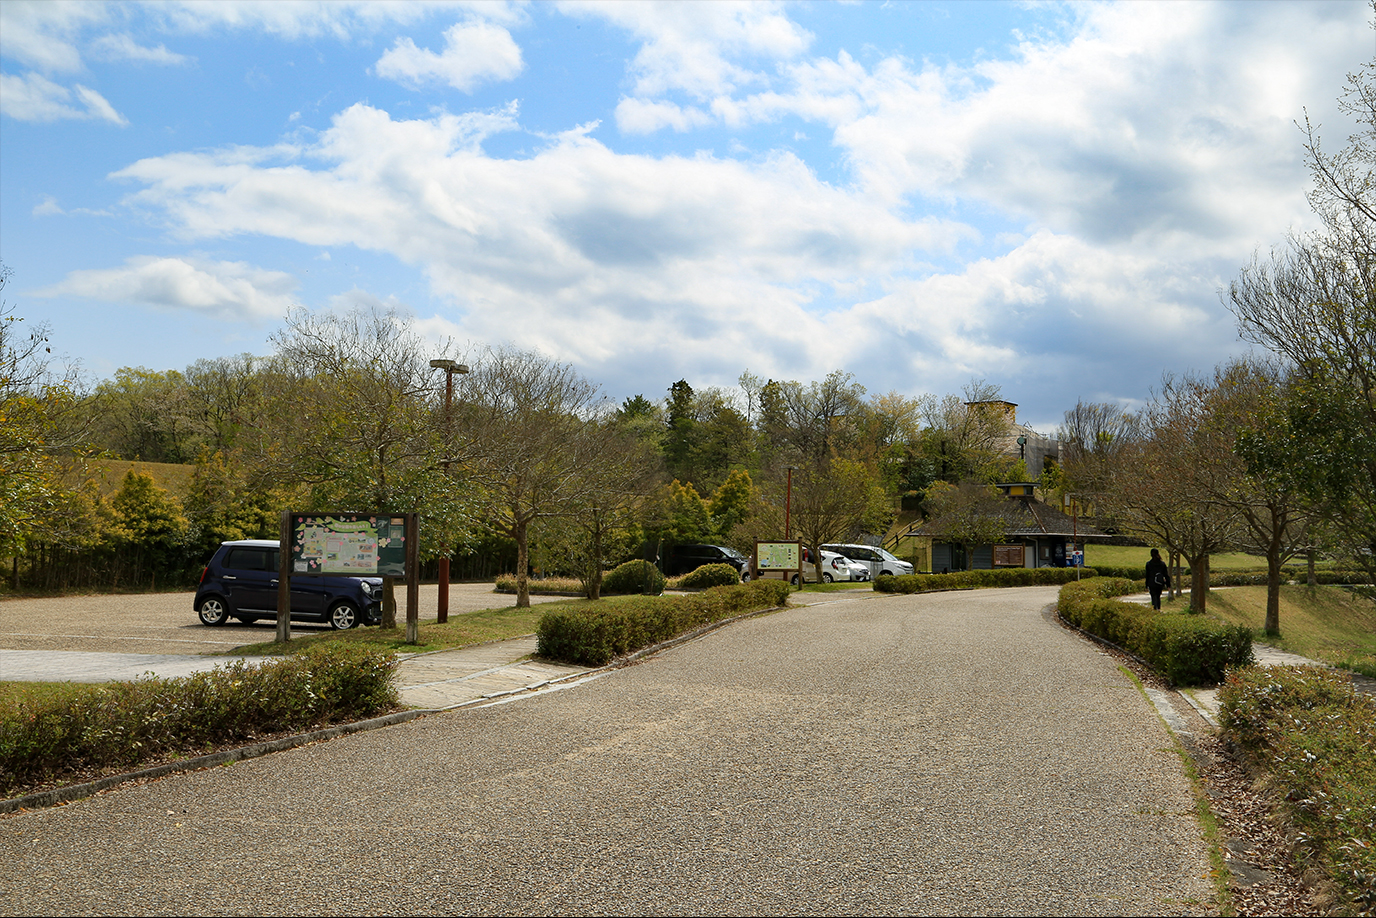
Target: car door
[(873, 560), (250, 579)]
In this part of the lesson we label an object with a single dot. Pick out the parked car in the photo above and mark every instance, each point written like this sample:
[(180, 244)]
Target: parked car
[(241, 582), (835, 567), (681, 559), (878, 560)]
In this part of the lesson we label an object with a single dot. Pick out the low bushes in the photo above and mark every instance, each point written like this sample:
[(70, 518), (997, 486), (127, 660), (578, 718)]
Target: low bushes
[(595, 637), (126, 724), (975, 580), (1315, 739), (633, 577), (709, 575), (1185, 649)]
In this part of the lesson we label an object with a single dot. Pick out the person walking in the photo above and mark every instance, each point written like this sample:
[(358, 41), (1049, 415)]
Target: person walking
[(1158, 578)]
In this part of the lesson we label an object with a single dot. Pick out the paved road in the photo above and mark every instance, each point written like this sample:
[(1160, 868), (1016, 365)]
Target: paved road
[(956, 753)]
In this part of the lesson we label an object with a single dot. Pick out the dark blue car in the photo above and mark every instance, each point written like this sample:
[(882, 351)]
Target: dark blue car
[(241, 582)]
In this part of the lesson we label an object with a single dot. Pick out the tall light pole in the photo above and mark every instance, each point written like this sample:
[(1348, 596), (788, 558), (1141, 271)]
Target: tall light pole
[(449, 367)]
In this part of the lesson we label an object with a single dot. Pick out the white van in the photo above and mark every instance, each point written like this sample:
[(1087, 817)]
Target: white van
[(877, 559)]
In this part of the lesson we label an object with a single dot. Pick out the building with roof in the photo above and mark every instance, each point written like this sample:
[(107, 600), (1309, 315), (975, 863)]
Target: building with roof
[(1036, 534)]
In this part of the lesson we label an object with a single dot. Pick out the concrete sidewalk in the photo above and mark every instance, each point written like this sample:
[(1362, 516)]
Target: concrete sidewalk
[(430, 681)]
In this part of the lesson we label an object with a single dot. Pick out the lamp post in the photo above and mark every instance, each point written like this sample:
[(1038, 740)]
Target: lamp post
[(449, 367)]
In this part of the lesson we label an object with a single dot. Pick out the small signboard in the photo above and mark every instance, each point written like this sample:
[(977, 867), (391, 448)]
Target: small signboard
[(348, 544), (780, 560)]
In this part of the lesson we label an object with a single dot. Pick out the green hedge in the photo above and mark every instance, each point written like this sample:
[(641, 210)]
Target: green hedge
[(128, 724), (975, 580), (595, 637), (1313, 736), (1185, 649), (633, 577), (709, 575)]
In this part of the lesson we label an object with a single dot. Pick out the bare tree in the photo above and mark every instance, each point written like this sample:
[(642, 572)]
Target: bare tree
[(1313, 303), (831, 501), (534, 426), (1167, 487)]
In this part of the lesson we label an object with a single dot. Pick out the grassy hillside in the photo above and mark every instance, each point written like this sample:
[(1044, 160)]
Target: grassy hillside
[(109, 474), (1131, 556), (1328, 623)]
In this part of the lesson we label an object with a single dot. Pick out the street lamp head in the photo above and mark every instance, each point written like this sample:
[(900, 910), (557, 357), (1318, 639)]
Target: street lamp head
[(447, 365)]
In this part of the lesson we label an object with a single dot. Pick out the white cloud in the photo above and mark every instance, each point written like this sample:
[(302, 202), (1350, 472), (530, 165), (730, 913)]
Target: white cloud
[(232, 290), (637, 116), (36, 98), (474, 52), (43, 33), (702, 49), (121, 47), (47, 207)]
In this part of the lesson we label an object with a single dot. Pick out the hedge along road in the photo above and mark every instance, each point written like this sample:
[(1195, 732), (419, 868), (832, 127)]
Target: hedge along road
[(953, 753)]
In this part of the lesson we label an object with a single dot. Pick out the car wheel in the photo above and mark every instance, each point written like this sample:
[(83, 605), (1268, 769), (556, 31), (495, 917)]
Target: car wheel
[(827, 578), (886, 574), (745, 576), (343, 616), (794, 581), (212, 611)]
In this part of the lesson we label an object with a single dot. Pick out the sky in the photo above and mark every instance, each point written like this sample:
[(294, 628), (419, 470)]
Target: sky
[(1050, 198)]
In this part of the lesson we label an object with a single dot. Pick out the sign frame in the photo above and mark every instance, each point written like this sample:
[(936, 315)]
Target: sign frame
[(778, 559), (349, 544)]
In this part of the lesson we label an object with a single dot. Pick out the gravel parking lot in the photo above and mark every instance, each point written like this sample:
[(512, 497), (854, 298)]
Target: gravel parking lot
[(167, 623)]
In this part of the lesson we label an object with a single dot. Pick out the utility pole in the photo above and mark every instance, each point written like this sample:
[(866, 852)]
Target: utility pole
[(449, 367)]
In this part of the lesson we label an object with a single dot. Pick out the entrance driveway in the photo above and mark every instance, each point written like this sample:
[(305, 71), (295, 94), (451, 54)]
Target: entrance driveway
[(954, 753)]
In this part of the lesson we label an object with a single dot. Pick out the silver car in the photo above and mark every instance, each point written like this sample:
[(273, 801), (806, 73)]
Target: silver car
[(878, 560)]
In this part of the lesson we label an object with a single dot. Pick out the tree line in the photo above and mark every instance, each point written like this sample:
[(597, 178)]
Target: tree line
[(521, 453)]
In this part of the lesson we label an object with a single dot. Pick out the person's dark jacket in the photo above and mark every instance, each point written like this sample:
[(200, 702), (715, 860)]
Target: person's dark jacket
[(1158, 575)]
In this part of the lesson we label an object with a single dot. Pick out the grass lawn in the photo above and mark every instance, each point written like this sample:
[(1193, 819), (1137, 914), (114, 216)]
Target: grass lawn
[(1132, 556), (1328, 623)]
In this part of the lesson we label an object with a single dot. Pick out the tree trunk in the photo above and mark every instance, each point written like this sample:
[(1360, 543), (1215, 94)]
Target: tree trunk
[(595, 576), (1199, 584), (1273, 590), (519, 531)]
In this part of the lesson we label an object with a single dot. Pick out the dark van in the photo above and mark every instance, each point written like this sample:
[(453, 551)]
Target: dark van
[(684, 558)]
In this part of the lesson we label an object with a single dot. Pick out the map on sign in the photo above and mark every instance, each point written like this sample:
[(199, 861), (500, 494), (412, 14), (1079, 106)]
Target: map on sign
[(777, 556), (348, 544)]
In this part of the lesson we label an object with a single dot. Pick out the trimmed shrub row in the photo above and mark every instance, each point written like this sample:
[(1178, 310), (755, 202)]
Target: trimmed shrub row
[(126, 724), (975, 580), (1313, 736), (1185, 649), (595, 637)]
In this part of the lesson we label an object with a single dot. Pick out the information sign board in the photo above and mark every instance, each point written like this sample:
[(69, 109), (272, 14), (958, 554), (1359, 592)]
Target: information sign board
[(777, 558), (348, 544)]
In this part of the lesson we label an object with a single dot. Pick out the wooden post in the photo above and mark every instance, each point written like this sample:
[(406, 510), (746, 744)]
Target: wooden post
[(412, 578), (284, 578)]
